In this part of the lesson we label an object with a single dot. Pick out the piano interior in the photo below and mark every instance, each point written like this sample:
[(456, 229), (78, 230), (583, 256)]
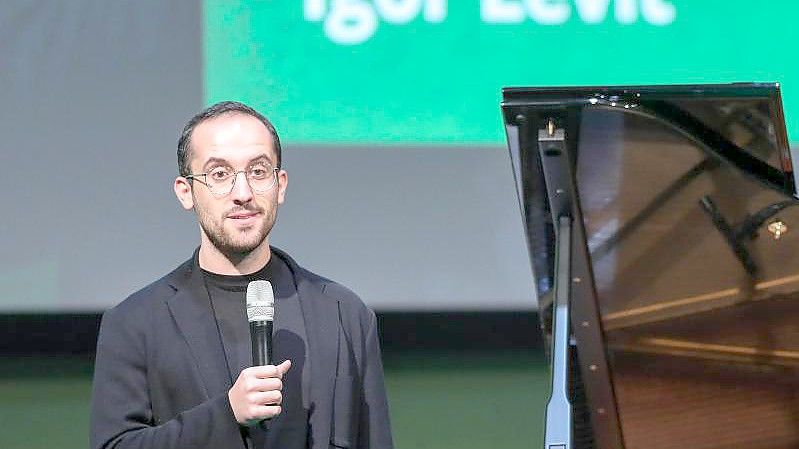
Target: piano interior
[(702, 342), (695, 261)]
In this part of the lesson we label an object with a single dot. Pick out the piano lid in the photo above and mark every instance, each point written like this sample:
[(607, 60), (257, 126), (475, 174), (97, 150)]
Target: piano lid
[(687, 199)]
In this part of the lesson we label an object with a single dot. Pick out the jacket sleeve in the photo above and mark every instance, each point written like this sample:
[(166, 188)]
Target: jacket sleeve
[(121, 411), (375, 426)]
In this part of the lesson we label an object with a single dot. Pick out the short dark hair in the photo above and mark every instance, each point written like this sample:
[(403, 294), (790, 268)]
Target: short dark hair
[(213, 111)]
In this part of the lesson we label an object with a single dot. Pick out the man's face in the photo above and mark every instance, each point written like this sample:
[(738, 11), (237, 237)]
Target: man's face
[(239, 222)]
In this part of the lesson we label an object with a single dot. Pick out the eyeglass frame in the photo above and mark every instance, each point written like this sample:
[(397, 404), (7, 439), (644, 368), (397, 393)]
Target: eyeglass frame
[(195, 177)]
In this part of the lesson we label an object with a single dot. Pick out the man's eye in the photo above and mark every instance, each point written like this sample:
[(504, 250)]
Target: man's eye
[(257, 172), (219, 174)]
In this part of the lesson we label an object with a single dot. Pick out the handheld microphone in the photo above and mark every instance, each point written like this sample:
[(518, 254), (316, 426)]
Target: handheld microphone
[(261, 314)]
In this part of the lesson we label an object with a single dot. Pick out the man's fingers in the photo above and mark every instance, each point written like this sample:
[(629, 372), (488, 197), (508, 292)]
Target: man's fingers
[(261, 371), (256, 394), (267, 371), (265, 398), (283, 367), (255, 384), (259, 412)]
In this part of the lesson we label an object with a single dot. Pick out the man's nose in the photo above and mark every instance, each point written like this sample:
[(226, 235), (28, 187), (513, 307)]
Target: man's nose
[(242, 192)]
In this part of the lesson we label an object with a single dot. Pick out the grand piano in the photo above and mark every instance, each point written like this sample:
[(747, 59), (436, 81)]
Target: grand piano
[(664, 237)]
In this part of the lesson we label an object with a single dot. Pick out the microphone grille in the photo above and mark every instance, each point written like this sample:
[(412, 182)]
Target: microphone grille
[(260, 301)]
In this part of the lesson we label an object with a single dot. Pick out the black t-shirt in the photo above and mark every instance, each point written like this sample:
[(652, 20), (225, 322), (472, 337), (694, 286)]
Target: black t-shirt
[(227, 294)]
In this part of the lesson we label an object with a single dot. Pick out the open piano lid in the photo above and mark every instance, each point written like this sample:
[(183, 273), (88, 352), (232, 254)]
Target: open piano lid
[(687, 333)]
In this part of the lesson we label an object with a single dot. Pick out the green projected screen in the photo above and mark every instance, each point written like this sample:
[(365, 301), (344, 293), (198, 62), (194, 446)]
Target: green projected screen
[(413, 72)]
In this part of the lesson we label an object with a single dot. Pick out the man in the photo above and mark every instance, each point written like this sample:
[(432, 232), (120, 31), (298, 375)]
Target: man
[(173, 367)]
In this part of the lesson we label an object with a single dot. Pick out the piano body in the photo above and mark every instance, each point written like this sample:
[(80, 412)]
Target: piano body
[(664, 237)]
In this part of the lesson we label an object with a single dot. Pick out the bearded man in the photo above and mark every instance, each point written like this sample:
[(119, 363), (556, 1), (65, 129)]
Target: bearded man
[(174, 362)]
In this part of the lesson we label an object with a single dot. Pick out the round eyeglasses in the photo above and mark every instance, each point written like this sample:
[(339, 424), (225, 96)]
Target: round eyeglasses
[(220, 180)]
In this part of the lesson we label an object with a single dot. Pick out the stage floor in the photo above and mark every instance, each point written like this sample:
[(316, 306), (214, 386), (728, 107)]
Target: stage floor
[(439, 400)]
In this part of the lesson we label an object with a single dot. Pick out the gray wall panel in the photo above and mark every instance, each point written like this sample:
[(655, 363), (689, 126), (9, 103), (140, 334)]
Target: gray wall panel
[(433, 228), (94, 94)]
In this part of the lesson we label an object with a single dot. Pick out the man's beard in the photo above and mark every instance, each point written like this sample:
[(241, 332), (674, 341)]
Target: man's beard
[(243, 242)]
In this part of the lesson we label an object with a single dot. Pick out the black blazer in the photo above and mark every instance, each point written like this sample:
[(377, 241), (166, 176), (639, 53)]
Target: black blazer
[(161, 381)]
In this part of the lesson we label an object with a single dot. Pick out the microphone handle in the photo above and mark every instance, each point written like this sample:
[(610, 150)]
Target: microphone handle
[(261, 336)]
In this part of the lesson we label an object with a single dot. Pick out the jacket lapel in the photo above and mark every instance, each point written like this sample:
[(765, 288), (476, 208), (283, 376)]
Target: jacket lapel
[(321, 316), (191, 310), (321, 322)]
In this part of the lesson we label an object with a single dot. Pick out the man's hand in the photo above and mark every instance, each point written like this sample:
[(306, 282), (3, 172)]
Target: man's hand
[(257, 393)]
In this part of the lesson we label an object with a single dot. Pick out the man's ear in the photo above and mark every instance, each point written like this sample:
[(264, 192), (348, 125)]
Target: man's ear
[(183, 192), (282, 184)]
